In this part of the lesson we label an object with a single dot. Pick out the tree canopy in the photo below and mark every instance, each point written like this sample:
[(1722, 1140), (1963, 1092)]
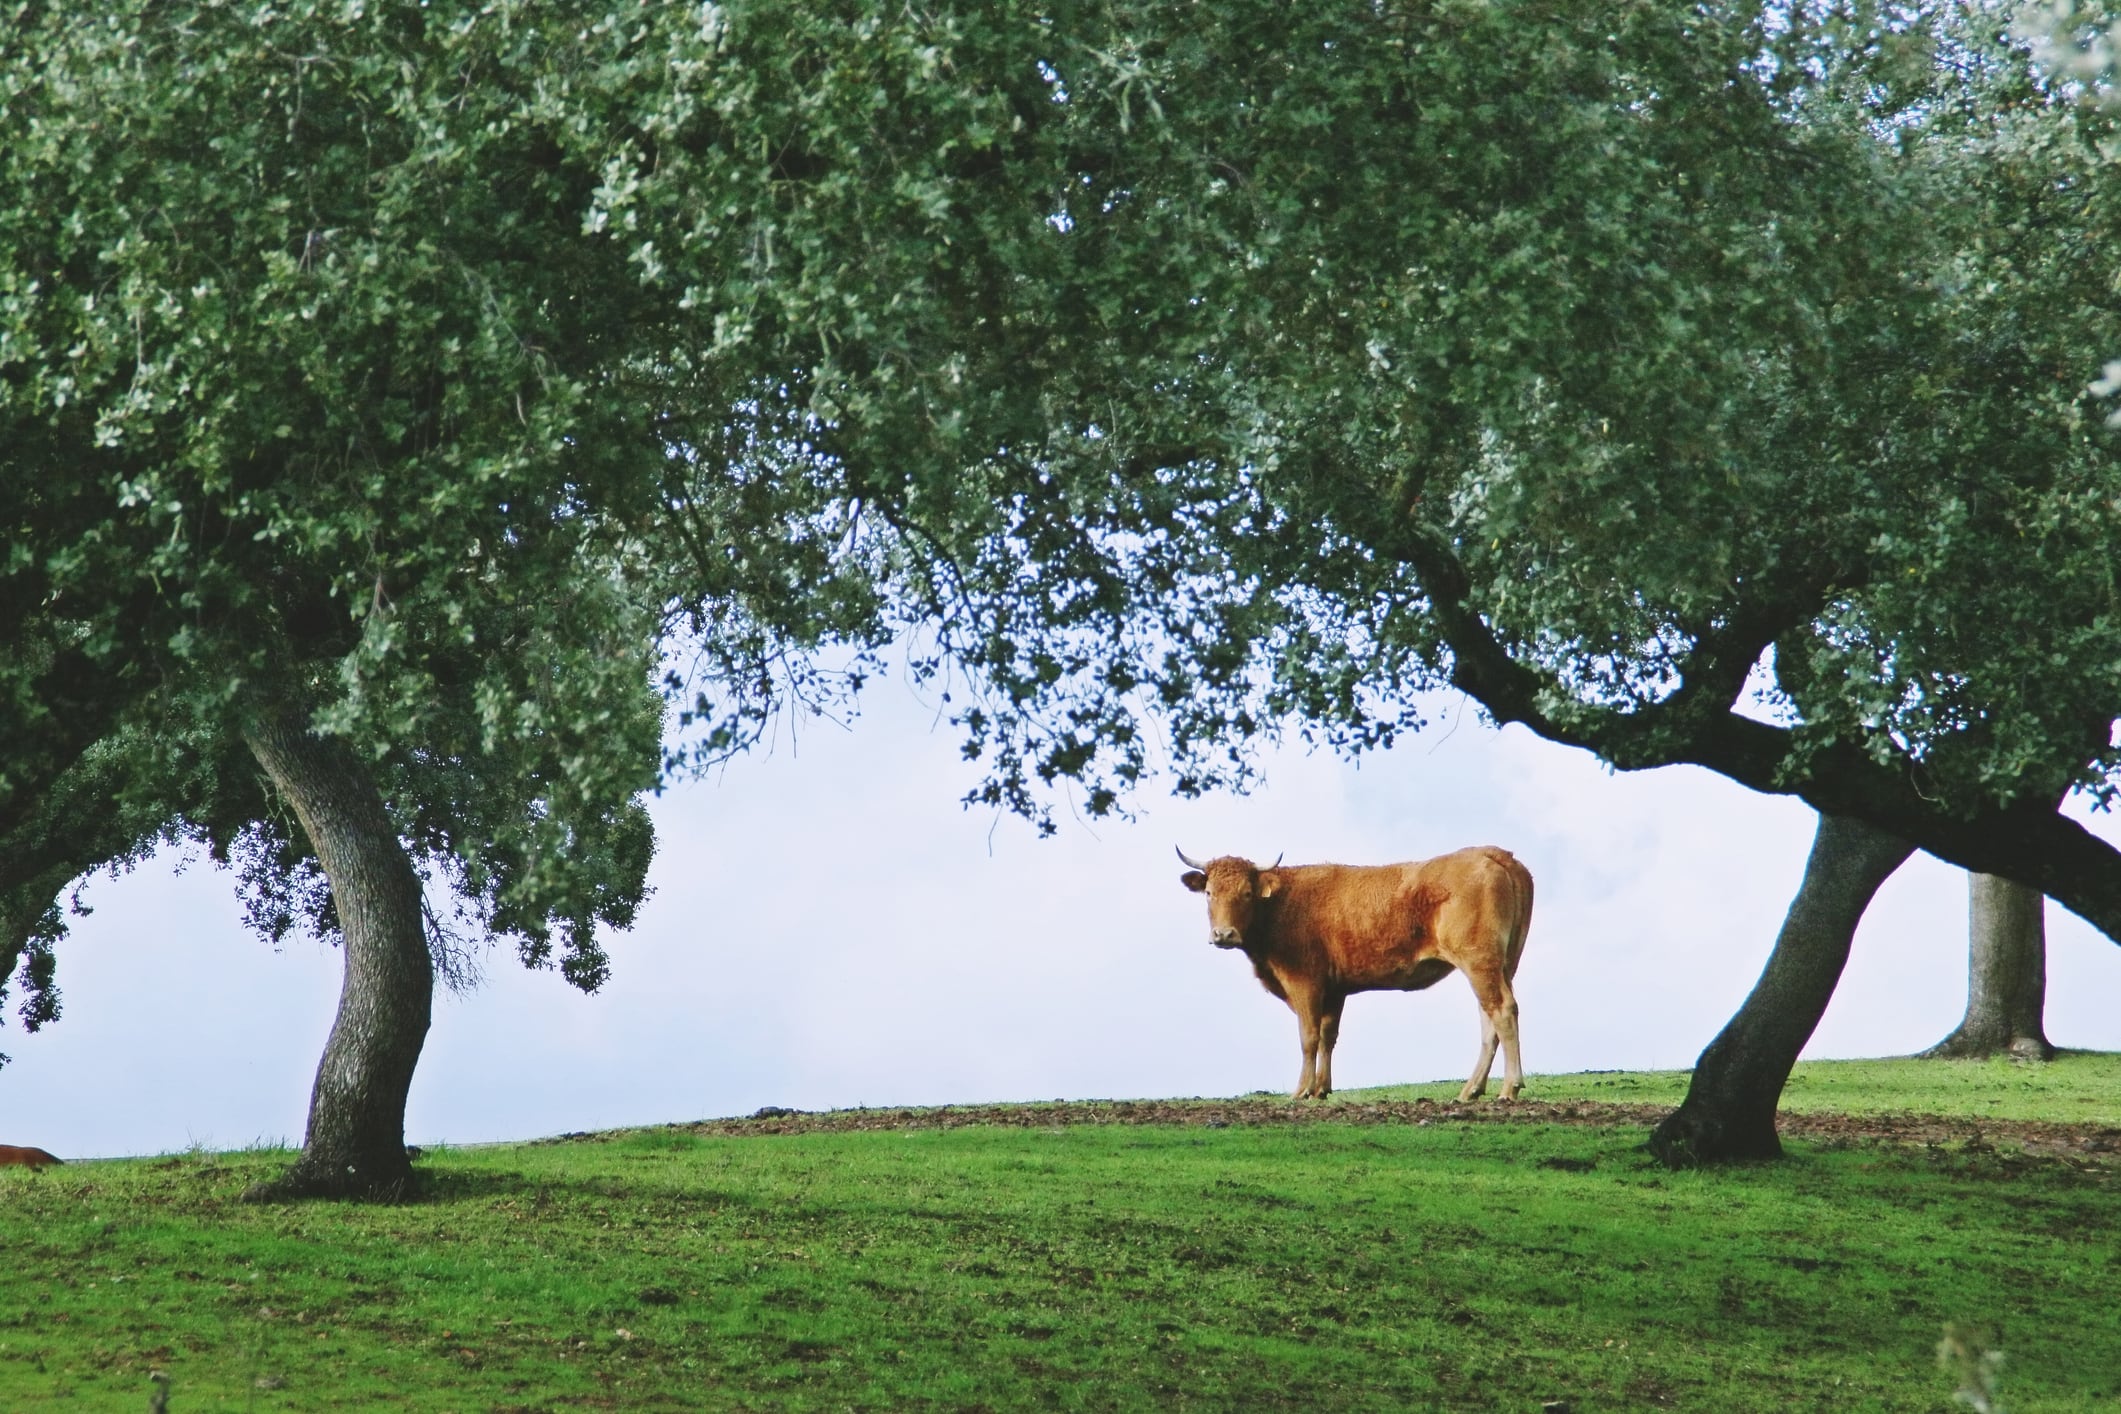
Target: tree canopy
[(314, 388), (1692, 384)]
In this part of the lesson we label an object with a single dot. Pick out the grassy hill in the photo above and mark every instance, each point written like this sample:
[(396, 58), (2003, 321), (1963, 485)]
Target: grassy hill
[(2078, 1087), (1356, 1261)]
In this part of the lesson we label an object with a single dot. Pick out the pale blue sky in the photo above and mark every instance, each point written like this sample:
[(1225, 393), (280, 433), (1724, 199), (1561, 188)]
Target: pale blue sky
[(829, 928)]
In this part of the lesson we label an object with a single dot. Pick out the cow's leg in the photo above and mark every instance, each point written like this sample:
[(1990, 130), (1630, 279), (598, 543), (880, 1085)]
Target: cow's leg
[(1309, 1018), (1328, 1033), (1512, 1063), (1477, 1082), (1498, 1006)]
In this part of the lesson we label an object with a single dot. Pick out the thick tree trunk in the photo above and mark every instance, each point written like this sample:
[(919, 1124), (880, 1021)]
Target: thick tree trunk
[(1729, 1111), (2006, 988), (356, 1140)]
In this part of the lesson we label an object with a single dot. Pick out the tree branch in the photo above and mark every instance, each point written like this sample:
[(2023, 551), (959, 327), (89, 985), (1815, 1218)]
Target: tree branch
[(2027, 840)]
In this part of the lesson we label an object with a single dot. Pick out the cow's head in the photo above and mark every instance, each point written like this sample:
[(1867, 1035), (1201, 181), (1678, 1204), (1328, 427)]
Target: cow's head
[(1235, 887)]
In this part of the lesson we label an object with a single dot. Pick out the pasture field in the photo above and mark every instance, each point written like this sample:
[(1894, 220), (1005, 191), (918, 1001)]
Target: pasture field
[(2077, 1087), (1204, 1255)]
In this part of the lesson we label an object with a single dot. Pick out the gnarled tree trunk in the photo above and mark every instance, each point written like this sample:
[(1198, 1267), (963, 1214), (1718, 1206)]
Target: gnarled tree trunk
[(1729, 1111), (356, 1140), (2006, 989)]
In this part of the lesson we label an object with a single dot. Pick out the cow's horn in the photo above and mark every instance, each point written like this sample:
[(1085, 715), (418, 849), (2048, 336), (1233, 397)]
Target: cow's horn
[(1277, 860), (1189, 863)]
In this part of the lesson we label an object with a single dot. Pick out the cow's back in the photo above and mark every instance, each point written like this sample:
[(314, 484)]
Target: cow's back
[(1329, 918), (1391, 926), (1359, 927)]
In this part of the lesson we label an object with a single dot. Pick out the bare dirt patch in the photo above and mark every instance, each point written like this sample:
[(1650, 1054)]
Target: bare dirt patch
[(2079, 1143)]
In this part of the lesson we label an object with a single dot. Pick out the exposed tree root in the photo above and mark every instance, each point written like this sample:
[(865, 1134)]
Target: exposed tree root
[(382, 1182)]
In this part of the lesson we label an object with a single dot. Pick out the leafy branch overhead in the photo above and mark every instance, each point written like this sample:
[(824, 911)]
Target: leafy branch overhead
[(1689, 385), (316, 391), (1702, 385)]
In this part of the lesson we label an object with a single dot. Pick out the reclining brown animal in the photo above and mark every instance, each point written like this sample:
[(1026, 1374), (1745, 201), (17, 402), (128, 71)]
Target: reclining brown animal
[(27, 1158)]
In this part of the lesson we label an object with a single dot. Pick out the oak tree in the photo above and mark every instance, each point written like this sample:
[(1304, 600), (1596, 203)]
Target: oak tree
[(330, 442)]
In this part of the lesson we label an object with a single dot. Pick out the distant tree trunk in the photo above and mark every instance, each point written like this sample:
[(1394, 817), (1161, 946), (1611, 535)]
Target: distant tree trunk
[(2006, 989), (1729, 1111), (356, 1141)]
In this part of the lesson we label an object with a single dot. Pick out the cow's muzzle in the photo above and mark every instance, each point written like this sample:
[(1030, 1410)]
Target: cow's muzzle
[(1226, 938)]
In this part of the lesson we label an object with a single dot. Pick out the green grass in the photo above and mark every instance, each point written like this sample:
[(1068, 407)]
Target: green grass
[(2078, 1087), (1323, 1267)]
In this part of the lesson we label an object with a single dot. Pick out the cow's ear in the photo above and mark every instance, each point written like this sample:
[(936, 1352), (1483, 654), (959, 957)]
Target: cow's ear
[(1269, 883), (1194, 880)]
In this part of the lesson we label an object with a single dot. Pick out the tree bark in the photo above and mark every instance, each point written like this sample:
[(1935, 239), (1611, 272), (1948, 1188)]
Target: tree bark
[(355, 1145), (2006, 988), (1729, 1110)]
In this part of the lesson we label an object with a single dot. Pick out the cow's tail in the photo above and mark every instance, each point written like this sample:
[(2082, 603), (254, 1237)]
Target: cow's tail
[(1521, 888)]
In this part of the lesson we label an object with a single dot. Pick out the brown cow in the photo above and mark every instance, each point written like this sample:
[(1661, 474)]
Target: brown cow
[(1317, 932), (28, 1158)]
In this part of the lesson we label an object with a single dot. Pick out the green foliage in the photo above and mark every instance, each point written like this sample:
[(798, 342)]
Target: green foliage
[(1228, 365), (267, 326), (300, 382), (1171, 372), (1486, 1266), (109, 810), (312, 389)]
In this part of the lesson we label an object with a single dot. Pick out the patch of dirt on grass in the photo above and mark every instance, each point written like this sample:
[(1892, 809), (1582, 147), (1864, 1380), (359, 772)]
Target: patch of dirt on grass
[(2080, 1143), (1206, 1114)]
